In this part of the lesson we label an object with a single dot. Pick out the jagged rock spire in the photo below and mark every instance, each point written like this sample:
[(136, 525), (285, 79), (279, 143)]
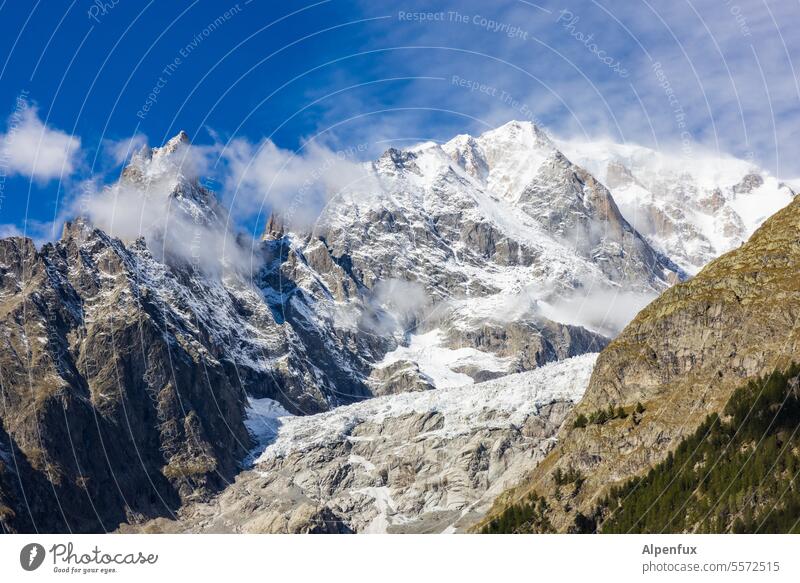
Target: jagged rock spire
[(174, 143), (275, 228), (77, 228)]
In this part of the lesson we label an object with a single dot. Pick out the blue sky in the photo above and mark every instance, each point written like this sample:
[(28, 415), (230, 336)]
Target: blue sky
[(81, 81)]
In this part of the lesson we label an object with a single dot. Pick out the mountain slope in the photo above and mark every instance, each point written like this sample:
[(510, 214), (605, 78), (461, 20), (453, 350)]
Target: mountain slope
[(127, 360), (148, 329), (126, 365), (116, 407), (496, 244), (737, 473), (681, 358)]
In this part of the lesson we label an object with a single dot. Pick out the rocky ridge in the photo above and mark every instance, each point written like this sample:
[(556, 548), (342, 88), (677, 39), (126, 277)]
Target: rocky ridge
[(462, 262)]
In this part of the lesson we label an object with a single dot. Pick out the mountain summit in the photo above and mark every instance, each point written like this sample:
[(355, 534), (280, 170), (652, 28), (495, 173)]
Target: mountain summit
[(149, 333)]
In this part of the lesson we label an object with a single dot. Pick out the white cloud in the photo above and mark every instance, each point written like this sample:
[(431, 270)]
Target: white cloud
[(263, 177), (39, 231), (121, 150), (395, 306), (189, 227), (601, 310), (32, 149), (8, 230)]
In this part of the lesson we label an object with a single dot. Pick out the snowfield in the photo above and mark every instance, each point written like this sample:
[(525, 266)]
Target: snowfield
[(424, 462), (513, 398), (441, 363)]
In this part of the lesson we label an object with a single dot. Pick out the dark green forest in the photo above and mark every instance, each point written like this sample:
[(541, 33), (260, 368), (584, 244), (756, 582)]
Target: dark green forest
[(529, 515), (736, 473)]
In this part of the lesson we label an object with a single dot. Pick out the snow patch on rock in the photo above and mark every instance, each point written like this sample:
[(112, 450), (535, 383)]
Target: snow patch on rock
[(440, 363)]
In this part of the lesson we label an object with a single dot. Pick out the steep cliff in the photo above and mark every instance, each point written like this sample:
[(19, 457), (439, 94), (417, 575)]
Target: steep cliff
[(111, 407)]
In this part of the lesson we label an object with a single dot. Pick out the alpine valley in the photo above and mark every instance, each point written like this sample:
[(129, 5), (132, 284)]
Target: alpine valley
[(494, 333)]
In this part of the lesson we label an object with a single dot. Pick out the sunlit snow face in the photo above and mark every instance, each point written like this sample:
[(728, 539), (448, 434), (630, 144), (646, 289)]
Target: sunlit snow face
[(692, 209)]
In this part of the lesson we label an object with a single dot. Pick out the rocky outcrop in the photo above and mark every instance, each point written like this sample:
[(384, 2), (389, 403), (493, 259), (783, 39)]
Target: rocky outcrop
[(400, 377), (527, 344), (681, 358), (113, 410), (572, 204)]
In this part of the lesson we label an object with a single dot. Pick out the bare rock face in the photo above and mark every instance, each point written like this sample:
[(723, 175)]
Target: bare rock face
[(571, 203), (106, 410), (527, 344), (681, 358), (400, 377), (749, 183)]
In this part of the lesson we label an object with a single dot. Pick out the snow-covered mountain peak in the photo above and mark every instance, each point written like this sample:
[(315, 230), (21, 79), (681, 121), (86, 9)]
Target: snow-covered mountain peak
[(691, 208), (394, 162), (505, 159), (465, 152), (502, 240), (521, 133), (174, 161), (168, 177), (172, 145), (502, 162)]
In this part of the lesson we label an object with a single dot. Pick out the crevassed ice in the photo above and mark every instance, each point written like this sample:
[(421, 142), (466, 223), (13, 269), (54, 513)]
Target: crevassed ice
[(517, 395)]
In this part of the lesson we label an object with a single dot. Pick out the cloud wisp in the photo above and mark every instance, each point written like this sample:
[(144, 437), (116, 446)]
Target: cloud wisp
[(261, 177), (33, 149), (120, 151)]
